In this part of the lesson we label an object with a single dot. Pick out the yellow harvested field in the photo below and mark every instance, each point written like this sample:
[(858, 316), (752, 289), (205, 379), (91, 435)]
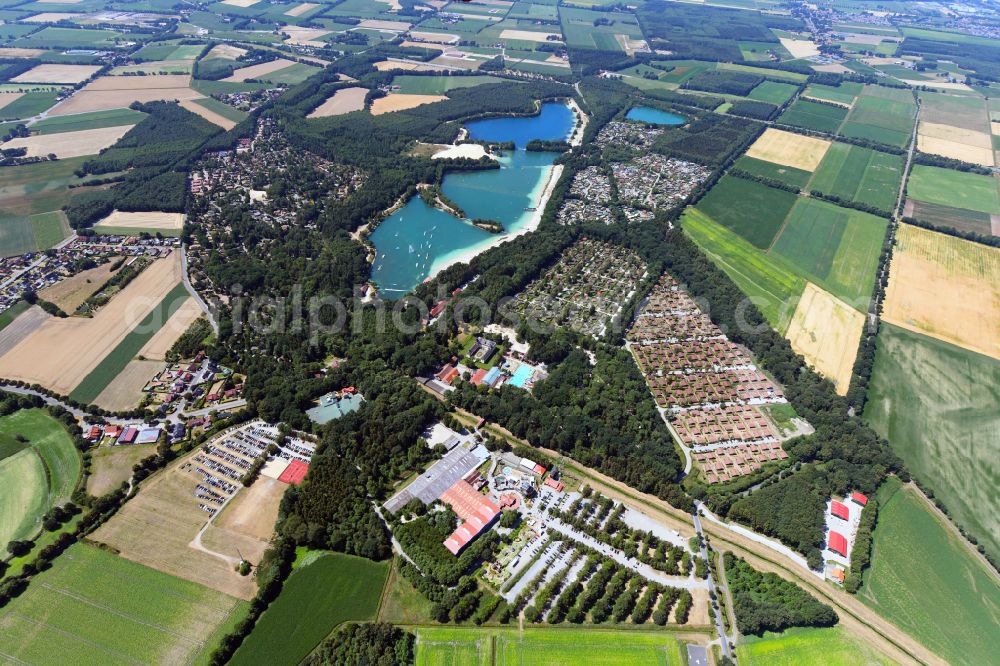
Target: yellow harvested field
[(955, 142), (255, 510), (793, 150), (531, 36), (118, 92), (158, 527), (157, 347), (8, 97), (52, 17), (392, 26), (827, 332), (124, 391), (57, 74), (305, 36), (208, 114), (397, 102), (240, 3), (343, 101), (835, 68), (387, 65), (425, 45), (433, 37), (70, 293), (946, 288), (147, 220), (61, 352), (225, 51), (301, 9), (17, 52), (799, 48), (70, 144), (994, 127), (257, 71)]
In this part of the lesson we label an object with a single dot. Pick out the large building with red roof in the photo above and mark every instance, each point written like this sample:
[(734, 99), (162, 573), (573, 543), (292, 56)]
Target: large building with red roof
[(837, 543), (839, 510), (475, 509), (858, 498)]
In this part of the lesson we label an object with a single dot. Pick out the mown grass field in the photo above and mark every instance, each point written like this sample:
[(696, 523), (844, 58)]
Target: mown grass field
[(770, 283), (750, 209), (30, 233), (453, 646), (837, 248), (845, 93), (53, 37), (221, 108), (28, 105), (105, 372), (939, 407), (957, 189), (815, 116), (831, 647), (34, 475), (927, 582), (859, 174), (95, 608), (438, 85), (85, 121), (773, 92), (318, 596)]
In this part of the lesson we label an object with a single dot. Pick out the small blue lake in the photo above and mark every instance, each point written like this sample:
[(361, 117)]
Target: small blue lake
[(418, 241), (647, 114)]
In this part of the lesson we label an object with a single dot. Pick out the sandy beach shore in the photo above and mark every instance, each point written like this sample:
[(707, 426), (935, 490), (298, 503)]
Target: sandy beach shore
[(581, 127)]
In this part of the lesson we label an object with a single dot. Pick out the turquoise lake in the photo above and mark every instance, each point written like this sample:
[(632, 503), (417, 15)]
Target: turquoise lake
[(418, 241), (646, 114)]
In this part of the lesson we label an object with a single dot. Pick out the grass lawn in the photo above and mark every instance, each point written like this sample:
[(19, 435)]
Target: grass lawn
[(927, 582), (812, 115), (403, 604), (34, 475), (831, 647), (957, 189), (318, 596), (453, 646), (859, 174), (770, 282), (127, 613), (773, 92), (438, 85), (92, 120), (118, 358), (837, 248), (939, 407), (752, 210)]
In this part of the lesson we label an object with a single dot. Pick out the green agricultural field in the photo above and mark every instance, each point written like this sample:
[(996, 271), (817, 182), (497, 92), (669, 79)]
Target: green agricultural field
[(957, 189), (926, 581), (882, 114), (786, 174), (438, 85), (318, 596), (28, 105), (292, 74), (955, 218), (70, 38), (831, 647), (845, 93), (118, 358), (85, 121), (35, 475), (38, 188), (770, 282), (773, 92), (837, 248), (580, 32), (127, 613), (794, 77), (813, 115), (10, 314), (222, 109), (16, 235), (48, 229), (754, 211), (939, 407), (859, 174), (454, 646), (402, 603)]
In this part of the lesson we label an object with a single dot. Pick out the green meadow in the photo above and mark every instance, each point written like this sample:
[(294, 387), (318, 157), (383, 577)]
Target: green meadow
[(882, 114), (860, 175), (939, 407), (321, 593), (85, 121), (752, 210), (814, 116), (958, 189), (453, 646), (144, 616), (438, 85), (832, 646), (925, 580), (773, 92)]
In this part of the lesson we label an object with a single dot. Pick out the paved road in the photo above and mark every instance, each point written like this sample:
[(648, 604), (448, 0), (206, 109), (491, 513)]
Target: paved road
[(194, 292), (719, 628)]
